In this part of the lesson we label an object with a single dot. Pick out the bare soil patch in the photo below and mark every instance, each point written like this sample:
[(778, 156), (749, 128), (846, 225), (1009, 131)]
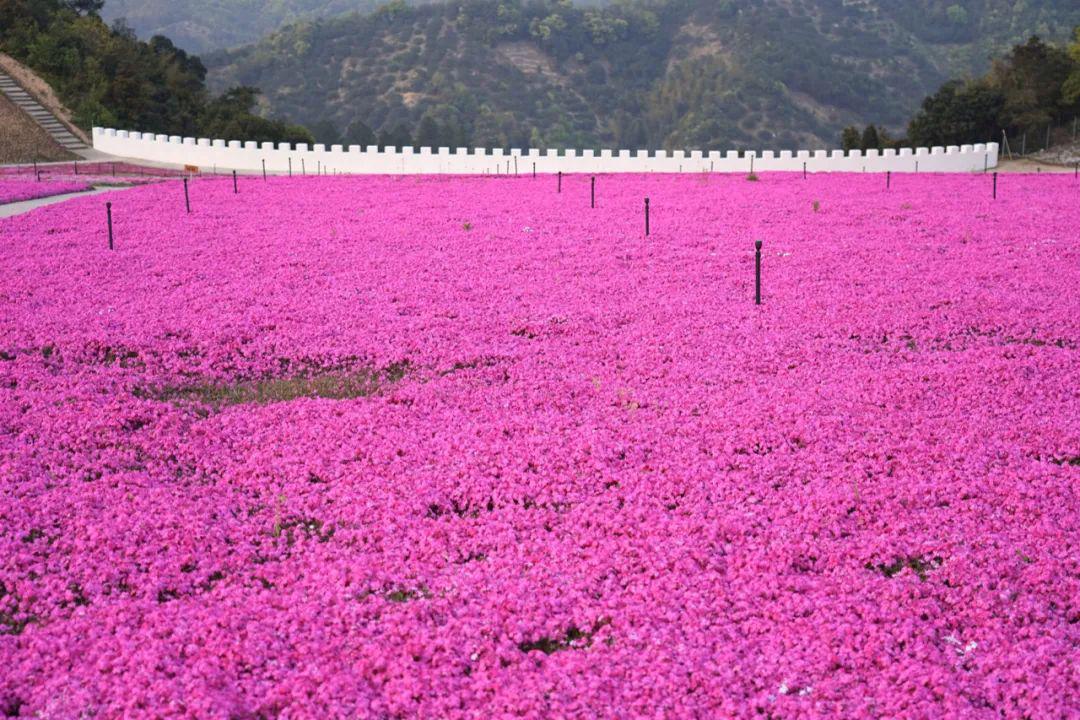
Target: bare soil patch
[(23, 140), (1031, 166)]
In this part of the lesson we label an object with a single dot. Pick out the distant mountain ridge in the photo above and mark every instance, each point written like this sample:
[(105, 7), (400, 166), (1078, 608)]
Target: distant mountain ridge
[(201, 26), (639, 73)]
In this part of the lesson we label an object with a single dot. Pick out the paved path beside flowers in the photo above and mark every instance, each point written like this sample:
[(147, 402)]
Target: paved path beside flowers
[(24, 206)]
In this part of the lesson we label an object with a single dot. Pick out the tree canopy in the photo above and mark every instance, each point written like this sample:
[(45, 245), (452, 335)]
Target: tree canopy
[(1027, 88), (107, 77), (1034, 85)]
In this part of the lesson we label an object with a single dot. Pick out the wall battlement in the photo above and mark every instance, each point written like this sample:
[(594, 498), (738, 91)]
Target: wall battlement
[(250, 156)]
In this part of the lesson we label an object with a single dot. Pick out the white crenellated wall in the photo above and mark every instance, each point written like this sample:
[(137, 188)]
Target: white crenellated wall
[(249, 157)]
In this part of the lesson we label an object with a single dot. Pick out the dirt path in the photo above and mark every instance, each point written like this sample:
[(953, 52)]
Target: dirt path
[(1031, 166)]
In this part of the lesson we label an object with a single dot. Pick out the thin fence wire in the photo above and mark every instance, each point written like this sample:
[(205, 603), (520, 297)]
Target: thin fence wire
[(1023, 143), (119, 169)]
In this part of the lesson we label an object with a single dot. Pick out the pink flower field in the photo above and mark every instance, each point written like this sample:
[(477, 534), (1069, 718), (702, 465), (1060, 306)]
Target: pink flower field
[(466, 448), (12, 191)]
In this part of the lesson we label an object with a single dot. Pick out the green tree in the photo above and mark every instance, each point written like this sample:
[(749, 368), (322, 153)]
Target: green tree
[(106, 76), (358, 133), (1031, 77), (428, 133), (396, 137), (870, 139), (229, 117), (885, 140), (849, 138), (956, 14), (958, 113), (1071, 89), (453, 131), (325, 132), (86, 7)]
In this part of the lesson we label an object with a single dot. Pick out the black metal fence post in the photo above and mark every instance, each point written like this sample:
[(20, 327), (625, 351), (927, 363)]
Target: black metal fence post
[(757, 272)]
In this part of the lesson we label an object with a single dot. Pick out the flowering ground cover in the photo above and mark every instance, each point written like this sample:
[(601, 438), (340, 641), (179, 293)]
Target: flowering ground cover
[(82, 176), (465, 447), (18, 190)]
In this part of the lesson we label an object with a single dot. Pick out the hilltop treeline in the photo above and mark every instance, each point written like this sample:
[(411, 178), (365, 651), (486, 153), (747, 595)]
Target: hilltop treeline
[(668, 74), (106, 76), (650, 74), (205, 25), (1034, 86)]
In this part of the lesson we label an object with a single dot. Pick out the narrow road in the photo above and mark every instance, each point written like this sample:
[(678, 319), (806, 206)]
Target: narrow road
[(23, 206)]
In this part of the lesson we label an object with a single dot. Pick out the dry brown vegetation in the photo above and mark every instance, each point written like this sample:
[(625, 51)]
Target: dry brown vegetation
[(333, 386), (42, 92), (23, 140)]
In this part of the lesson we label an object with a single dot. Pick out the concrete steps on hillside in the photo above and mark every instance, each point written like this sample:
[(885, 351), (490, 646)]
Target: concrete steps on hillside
[(39, 114)]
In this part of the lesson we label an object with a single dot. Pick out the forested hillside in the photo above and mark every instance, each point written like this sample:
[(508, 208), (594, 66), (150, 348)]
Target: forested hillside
[(108, 77), (638, 73), (202, 25)]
